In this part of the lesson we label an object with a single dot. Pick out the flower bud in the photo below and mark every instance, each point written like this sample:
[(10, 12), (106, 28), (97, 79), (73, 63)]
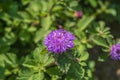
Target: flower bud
[(78, 14)]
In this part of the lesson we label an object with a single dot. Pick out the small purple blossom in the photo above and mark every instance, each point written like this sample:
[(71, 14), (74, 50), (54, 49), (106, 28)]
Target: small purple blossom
[(78, 14), (115, 52), (58, 41)]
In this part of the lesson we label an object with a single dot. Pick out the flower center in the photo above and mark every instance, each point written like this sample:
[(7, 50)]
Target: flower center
[(118, 51), (59, 37)]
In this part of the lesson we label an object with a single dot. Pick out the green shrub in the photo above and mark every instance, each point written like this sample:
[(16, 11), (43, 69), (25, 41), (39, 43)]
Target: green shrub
[(25, 23)]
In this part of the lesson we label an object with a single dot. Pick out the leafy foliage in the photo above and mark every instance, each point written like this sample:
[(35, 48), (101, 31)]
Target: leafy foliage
[(25, 23)]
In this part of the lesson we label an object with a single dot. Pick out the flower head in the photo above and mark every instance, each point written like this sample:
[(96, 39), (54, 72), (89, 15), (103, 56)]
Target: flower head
[(115, 52), (58, 41), (78, 14)]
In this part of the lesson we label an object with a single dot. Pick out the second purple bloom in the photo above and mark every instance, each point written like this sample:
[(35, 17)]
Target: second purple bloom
[(115, 52)]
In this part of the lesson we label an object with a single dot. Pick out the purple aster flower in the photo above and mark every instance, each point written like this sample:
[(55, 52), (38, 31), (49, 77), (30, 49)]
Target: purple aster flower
[(58, 41), (115, 52)]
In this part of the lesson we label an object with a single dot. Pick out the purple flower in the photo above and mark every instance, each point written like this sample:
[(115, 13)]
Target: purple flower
[(58, 41), (115, 52), (78, 14)]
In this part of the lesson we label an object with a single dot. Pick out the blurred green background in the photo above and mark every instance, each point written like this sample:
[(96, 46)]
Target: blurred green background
[(25, 23)]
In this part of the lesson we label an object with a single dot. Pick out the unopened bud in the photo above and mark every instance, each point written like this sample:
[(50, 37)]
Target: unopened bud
[(78, 14)]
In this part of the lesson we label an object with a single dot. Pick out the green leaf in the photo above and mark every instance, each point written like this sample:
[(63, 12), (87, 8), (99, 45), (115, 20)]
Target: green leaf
[(81, 48), (89, 73), (6, 17), (37, 60), (52, 71), (44, 6), (2, 70), (8, 59), (57, 8), (24, 2), (93, 3), (84, 22), (35, 6), (40, 34), (25, 17), (100, 41), (24, 36), (63, 63), (2, 64), (91, 64), (84, 56), (110, 41), (8, 39), (30, 75), (50, 4), (103, 57), (46, 22), (73, 4), (76, 72), (12, 58), (32, 29), (111, 11), (43, 59)]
